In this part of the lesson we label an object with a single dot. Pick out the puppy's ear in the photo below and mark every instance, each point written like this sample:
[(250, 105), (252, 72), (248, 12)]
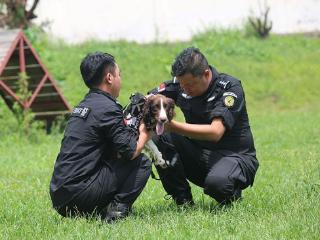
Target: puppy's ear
[(171, 112)]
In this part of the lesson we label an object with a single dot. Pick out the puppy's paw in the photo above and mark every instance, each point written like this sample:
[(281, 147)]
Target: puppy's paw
[(161, 162)]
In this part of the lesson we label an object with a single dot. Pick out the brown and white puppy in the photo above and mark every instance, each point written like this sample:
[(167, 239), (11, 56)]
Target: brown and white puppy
[(157, 111)]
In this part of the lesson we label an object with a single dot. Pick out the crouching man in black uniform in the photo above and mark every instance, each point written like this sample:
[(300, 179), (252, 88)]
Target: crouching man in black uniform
[(214, 148), (100, 167)]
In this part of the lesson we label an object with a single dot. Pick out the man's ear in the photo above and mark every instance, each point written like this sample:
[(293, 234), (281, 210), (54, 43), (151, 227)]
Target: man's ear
[(207, 73), (108, 78)]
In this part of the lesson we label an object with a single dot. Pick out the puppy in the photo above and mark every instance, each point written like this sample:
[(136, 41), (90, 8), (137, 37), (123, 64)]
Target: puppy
[(157, 111)]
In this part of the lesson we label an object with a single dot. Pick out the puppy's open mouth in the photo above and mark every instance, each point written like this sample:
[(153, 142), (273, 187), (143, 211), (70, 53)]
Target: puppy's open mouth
[(159, 128)]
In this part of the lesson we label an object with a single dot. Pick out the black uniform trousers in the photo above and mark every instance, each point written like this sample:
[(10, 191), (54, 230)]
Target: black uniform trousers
[(221, 173), (120, 180)]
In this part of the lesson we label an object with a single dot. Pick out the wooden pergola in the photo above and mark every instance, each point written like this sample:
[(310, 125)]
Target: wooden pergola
[(18, 56)]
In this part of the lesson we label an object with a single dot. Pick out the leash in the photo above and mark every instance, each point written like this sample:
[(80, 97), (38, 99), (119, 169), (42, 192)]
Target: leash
[(154, 176)]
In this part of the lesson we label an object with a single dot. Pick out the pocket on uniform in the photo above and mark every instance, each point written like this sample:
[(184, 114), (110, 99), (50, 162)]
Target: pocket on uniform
[(238, 176), (239, 172)]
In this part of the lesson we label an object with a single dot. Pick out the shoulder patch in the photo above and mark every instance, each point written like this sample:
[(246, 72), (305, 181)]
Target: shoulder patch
[(81, 112), (230, 94), (229, 101)]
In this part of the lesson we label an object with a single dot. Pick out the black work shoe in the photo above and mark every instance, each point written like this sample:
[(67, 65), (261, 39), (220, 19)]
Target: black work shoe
[(115, 211), (235, 197), (184, 200)]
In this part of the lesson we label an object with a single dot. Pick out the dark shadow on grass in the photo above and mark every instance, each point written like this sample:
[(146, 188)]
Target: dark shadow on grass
[(160, 208), (143, 212)]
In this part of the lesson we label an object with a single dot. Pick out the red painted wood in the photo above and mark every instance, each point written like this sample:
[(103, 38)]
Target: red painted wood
[(22, 60), (35, 93), (9, 91), (47, 73), (45, 104)]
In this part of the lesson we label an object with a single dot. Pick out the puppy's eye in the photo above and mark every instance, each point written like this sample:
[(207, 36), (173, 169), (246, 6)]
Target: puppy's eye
[(158, 105)]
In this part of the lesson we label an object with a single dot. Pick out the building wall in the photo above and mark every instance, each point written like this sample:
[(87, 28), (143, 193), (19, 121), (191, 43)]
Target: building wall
[(168, 20)]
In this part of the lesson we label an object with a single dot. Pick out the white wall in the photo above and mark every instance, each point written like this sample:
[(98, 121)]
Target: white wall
[(168, 20)]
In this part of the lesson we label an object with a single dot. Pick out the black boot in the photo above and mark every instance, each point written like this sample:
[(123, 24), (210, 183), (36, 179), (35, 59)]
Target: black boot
[(237, 196), (115, 211), (183, 199)]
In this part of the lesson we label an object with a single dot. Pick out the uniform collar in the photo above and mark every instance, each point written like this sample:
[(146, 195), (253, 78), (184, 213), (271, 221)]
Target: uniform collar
[(97, 90), (215, 73)]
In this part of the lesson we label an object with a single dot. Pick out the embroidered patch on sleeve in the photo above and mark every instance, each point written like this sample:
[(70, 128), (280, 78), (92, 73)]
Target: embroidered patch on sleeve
[(229, 101), (81, 112)]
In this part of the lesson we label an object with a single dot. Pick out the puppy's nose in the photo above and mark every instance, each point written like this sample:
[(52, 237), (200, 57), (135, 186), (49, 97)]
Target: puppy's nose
[(163, 120)]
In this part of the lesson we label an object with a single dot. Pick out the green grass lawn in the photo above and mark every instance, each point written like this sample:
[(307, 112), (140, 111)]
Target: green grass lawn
[(281, 80)]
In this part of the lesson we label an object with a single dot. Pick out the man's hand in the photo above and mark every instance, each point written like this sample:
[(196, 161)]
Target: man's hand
[(144, 137), (168, 127), (143, 131)]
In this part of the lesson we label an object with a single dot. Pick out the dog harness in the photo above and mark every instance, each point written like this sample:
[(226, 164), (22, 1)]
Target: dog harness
[(133, 112)]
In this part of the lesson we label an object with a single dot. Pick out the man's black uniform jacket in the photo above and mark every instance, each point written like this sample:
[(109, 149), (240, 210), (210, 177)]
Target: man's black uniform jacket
[(95, 135), (223, 99)]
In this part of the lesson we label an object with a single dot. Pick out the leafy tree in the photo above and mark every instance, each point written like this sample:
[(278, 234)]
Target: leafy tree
[(14, 13)]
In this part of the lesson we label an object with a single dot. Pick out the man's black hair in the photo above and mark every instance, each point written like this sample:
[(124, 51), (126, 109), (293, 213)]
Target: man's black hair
[(190, 60), (94, 66)]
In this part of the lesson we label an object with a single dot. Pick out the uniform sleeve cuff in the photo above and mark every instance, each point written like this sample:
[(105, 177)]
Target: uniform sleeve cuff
[(226, 115)]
